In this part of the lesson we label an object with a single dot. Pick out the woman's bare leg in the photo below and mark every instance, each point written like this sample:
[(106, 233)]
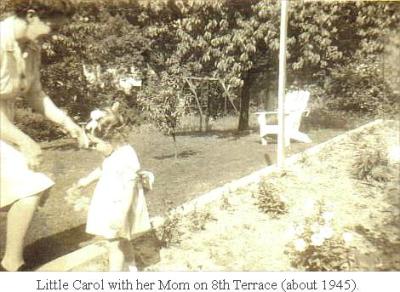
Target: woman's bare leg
[(19, 218)]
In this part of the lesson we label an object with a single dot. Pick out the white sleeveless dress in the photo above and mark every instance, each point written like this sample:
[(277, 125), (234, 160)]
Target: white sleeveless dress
[(118, 207)]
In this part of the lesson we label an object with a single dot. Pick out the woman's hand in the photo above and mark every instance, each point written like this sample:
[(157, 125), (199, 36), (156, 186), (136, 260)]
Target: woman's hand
[(32, 153), (77, 132)]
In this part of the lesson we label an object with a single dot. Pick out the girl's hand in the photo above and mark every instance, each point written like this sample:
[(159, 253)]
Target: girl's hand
[(147, 179), (76, 132), (73, 193), (75, 198)]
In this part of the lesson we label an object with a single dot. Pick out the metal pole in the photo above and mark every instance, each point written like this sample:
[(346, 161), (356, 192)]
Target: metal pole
[(282, 83)]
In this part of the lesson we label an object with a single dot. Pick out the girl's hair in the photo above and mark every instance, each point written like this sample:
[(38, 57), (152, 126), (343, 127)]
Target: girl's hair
[(43, 8), (107, 124)]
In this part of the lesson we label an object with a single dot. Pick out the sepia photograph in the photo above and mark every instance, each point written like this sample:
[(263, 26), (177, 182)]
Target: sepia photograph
[(199, 135)]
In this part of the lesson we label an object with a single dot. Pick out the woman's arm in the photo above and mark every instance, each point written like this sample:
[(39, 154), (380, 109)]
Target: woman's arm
[(43, 104), (10, 133)]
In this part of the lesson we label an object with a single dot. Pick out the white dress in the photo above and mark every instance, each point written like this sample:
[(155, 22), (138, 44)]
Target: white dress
[(118, 208), (17, 181), (19, 77)]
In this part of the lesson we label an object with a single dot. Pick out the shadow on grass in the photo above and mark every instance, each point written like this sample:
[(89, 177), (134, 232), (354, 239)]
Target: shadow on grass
[(183, 154), (220, 134), (49, 248), (147, 250)]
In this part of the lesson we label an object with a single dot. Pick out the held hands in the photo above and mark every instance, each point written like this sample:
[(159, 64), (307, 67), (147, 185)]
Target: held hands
[(76, 132)]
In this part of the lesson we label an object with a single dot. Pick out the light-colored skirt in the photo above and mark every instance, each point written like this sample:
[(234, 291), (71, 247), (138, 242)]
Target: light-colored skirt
[(17, 181), (117, 211)]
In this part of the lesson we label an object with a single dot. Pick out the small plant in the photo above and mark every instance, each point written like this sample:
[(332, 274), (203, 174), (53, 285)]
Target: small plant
[(225, 203), (371, 164), (269, 201), (170, 233), (305, 159), (317, 246), (197, 220)]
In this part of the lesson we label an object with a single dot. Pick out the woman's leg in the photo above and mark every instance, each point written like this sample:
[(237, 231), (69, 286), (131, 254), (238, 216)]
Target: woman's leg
[(19, 218), (116, 257)]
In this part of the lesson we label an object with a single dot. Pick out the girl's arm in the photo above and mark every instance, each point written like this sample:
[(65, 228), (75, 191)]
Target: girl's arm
[(74, 195), (90, 178)]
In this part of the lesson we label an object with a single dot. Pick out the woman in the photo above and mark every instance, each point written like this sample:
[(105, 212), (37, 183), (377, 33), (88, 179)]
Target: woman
[(20, 155)]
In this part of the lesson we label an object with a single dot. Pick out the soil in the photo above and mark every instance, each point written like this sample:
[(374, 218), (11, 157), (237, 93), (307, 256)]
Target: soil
[(234, 234)]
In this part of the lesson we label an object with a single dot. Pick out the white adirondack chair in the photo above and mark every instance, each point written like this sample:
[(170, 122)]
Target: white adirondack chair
[(295, 105)]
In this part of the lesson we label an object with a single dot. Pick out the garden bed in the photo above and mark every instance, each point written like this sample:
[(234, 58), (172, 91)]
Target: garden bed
[(333, 210)]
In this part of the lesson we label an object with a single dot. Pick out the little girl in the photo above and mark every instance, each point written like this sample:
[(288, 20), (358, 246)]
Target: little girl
[(118, 208)]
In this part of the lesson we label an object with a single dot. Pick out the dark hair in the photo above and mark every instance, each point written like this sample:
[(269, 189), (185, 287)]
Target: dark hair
[(43, 8)]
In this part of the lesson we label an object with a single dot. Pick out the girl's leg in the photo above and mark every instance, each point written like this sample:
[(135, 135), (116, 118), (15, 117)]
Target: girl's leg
[(19, 218), (116, 257)]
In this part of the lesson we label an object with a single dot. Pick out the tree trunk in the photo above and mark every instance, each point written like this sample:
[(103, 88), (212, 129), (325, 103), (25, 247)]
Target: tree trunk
[(175, 145), (245, 103)]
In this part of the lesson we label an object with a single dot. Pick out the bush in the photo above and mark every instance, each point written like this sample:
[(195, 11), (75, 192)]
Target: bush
[(36, 126), (269, 200), (371, 164)]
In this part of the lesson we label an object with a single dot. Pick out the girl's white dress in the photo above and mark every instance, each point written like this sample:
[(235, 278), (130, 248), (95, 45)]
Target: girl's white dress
[(118, 207)]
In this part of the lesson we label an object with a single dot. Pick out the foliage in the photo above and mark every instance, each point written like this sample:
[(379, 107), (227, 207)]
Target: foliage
[(37, 126), (169, 232), (359, 87), (317, 246), (371, 164), (269, 201), (198, 219), (176, 225), (163, 100), (334, 46), (94, 37)]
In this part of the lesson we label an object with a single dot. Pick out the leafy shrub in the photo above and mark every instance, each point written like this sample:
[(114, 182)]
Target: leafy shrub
[(197, 220), (359, 87), (371, 164), (269, 201), (36, 126), (176, 224), (169, 233)]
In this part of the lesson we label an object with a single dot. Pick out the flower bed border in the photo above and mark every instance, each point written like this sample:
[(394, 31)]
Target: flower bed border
[(93, 251)]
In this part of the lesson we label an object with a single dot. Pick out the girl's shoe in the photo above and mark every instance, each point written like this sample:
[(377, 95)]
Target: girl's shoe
[(132, 268)]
